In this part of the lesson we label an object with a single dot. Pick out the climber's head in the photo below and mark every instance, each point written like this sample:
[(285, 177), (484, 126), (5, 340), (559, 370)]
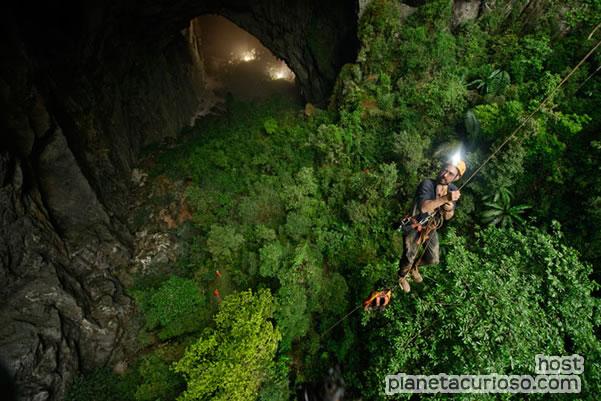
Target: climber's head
[(451, 172)]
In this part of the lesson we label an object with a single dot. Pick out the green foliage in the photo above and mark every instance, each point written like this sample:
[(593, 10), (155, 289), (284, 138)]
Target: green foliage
[(232, 361), (529, 58), (270, 125), (175, 308), (495, 83), (500, 210), (158, 381), (224, 244), (581, 207), (298, 295), (497, 121), (101, 385), (276, 386), (409, 152), (491, 306), (332, 143), (380, 23)]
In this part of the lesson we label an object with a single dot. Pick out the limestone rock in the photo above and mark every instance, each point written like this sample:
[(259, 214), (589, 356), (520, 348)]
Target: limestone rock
[(465, 10)]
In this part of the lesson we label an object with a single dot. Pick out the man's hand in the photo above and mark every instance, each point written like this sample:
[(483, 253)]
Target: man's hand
[(448, 207), (453, 196), (448, 210)]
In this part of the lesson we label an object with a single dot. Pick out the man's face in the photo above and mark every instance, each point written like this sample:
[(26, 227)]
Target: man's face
[(448, 174)]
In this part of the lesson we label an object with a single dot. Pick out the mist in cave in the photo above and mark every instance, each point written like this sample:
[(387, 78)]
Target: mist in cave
[(237, 63)]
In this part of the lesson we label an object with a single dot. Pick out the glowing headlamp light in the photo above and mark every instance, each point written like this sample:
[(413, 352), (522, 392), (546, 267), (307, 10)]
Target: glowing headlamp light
[(456, 158)]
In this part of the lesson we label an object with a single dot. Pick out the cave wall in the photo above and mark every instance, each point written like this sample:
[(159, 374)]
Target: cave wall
[(83, 87), (71, 127)]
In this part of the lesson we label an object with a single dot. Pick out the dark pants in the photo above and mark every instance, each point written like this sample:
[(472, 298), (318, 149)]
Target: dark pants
[(412, 251)]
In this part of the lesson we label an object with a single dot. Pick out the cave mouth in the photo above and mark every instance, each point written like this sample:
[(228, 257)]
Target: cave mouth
[(236, 63)]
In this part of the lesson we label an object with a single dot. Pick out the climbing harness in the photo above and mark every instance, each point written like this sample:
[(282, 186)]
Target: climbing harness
[(410, 223), (433, 222)]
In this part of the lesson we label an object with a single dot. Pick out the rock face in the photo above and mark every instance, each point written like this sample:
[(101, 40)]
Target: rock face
[(83, 87), (62, 309), (465, 10)]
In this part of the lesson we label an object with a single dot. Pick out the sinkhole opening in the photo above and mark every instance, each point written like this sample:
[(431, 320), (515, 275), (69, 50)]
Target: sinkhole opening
[(237, 63)]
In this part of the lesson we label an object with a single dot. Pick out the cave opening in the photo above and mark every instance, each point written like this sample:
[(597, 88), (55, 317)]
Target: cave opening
[(237, 64)]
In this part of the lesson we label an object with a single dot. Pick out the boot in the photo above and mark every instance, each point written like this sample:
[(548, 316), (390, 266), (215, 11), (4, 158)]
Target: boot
[(415, 275), (404, 284)]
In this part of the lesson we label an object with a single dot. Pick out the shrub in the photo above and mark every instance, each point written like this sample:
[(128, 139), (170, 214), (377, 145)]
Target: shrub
[(175, 308), (159, 383), (102, 385)]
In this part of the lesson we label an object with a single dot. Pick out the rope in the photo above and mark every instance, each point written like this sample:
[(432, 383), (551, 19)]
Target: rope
[(540, 106), (587, 78), (340, 320)]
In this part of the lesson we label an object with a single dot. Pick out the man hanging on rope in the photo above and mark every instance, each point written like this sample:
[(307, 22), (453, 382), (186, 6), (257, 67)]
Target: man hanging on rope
[(438, 195)]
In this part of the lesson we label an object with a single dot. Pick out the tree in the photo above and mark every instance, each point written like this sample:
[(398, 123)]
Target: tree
[(233, 360)]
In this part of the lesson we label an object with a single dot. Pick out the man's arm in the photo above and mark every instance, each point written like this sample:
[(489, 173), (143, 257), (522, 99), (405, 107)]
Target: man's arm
[(428, 206)]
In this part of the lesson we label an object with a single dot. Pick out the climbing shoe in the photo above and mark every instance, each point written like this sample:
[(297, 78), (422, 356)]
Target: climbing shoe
[(416, 276), (404, 284)]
